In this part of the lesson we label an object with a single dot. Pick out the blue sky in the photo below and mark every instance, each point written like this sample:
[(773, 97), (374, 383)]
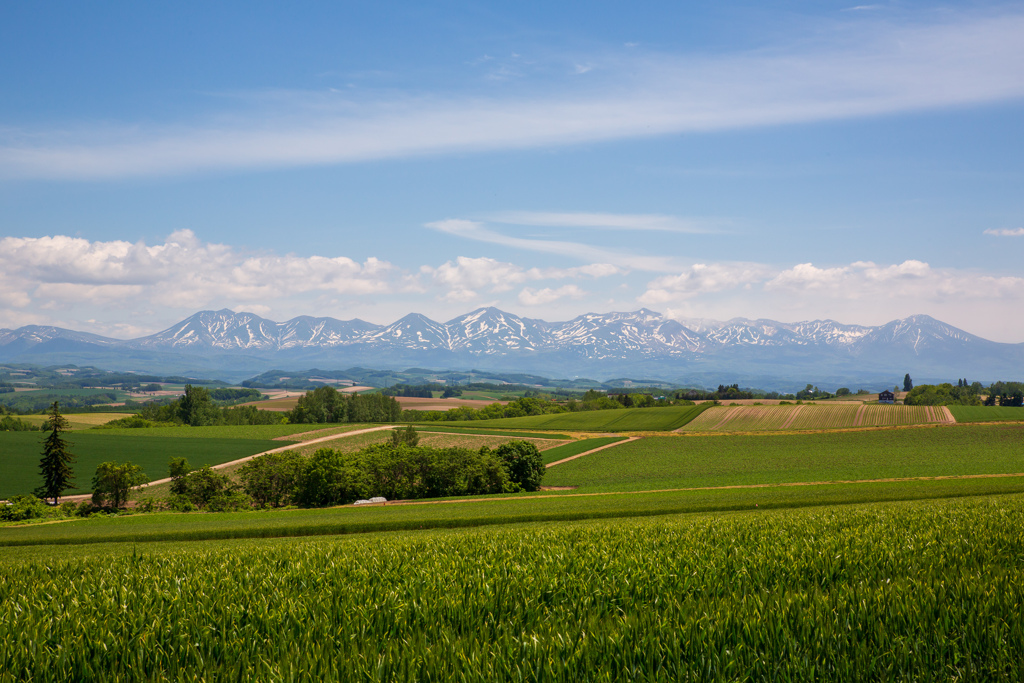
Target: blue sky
[(793, 160)]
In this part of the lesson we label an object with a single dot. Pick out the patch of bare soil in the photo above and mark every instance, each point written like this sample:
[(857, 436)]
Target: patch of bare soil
[(411, 403)]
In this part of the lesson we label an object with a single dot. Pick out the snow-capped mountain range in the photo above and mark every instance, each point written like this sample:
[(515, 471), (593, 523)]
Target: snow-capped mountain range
[(606, 344)]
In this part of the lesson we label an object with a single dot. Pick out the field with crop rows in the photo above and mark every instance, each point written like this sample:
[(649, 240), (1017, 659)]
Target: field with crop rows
[(744, 459), (987, 413), (623, 420), (923, 591), (813, 416)]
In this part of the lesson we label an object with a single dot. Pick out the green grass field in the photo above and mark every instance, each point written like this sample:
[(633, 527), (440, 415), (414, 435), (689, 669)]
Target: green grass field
[(921, 591), (20, 453), (729, 460), (987, 413), (624, 420)]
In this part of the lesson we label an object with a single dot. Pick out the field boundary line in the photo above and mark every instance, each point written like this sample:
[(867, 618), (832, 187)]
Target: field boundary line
[(592, 450), (296, 444), (893, 480), (950, 419), (792, 417)]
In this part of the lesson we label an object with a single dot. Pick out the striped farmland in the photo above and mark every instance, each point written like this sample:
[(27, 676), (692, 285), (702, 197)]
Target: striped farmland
[(815, 416)]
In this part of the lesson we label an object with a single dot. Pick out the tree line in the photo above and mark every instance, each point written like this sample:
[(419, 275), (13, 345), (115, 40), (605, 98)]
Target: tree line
[(1009, 394)]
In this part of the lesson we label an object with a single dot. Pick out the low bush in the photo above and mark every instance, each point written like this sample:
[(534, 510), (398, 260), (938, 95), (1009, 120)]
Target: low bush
[(20, 508)]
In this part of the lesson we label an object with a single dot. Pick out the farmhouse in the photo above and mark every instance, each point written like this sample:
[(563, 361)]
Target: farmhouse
[(886, 397)]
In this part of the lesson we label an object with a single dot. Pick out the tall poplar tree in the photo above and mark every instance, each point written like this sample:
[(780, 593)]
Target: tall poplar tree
[(55, 465)]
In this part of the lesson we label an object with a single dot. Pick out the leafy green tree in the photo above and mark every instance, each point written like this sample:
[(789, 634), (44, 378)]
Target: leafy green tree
[(523, 462), (273, 479), (332, 478), (908, 384), (407, 436), (196, 408), (55, 465), (322, 405), (178, 470), (205, 485), (113, 481)]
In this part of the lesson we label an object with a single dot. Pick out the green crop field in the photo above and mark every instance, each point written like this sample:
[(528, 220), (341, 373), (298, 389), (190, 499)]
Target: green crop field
[(729, 460), (921, 591), (20, 453), (624, 420), (476, 512), (987, 413), (811, 416), (576, 447)]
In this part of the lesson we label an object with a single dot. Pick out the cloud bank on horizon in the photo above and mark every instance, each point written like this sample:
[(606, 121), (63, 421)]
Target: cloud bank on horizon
[(852, 163), (51, 278)]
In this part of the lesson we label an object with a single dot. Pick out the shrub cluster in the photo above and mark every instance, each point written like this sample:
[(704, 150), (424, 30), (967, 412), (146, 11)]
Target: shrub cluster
[(21, 508), (393, 471), (14, 424)]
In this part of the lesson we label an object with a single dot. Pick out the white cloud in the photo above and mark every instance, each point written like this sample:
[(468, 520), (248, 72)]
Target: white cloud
[(703, 278), (63, 273), (474, 230), (861, 69), (1006, 232), (540, 297), (464, 277), (606, 221)]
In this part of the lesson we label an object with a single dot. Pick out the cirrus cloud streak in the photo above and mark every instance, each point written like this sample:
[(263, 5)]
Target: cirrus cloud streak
[(862, 69)]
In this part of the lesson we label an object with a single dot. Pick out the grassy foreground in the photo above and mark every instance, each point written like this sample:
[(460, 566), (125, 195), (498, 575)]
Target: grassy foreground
[(923, 591), (476, 512)]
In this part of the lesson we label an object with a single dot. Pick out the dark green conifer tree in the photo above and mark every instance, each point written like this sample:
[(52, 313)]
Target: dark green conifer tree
[(55, 465)]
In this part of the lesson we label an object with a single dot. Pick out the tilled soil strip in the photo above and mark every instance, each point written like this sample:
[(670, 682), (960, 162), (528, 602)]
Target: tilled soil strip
[(792, 417), (729, 414), (859, 419), (592, 450), (708, 488)]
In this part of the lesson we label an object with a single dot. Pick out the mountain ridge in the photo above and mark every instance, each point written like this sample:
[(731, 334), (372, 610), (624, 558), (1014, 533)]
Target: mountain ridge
[(613, 343)]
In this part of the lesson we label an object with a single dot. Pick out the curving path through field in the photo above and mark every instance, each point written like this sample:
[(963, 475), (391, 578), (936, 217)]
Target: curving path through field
[(592, 450)]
